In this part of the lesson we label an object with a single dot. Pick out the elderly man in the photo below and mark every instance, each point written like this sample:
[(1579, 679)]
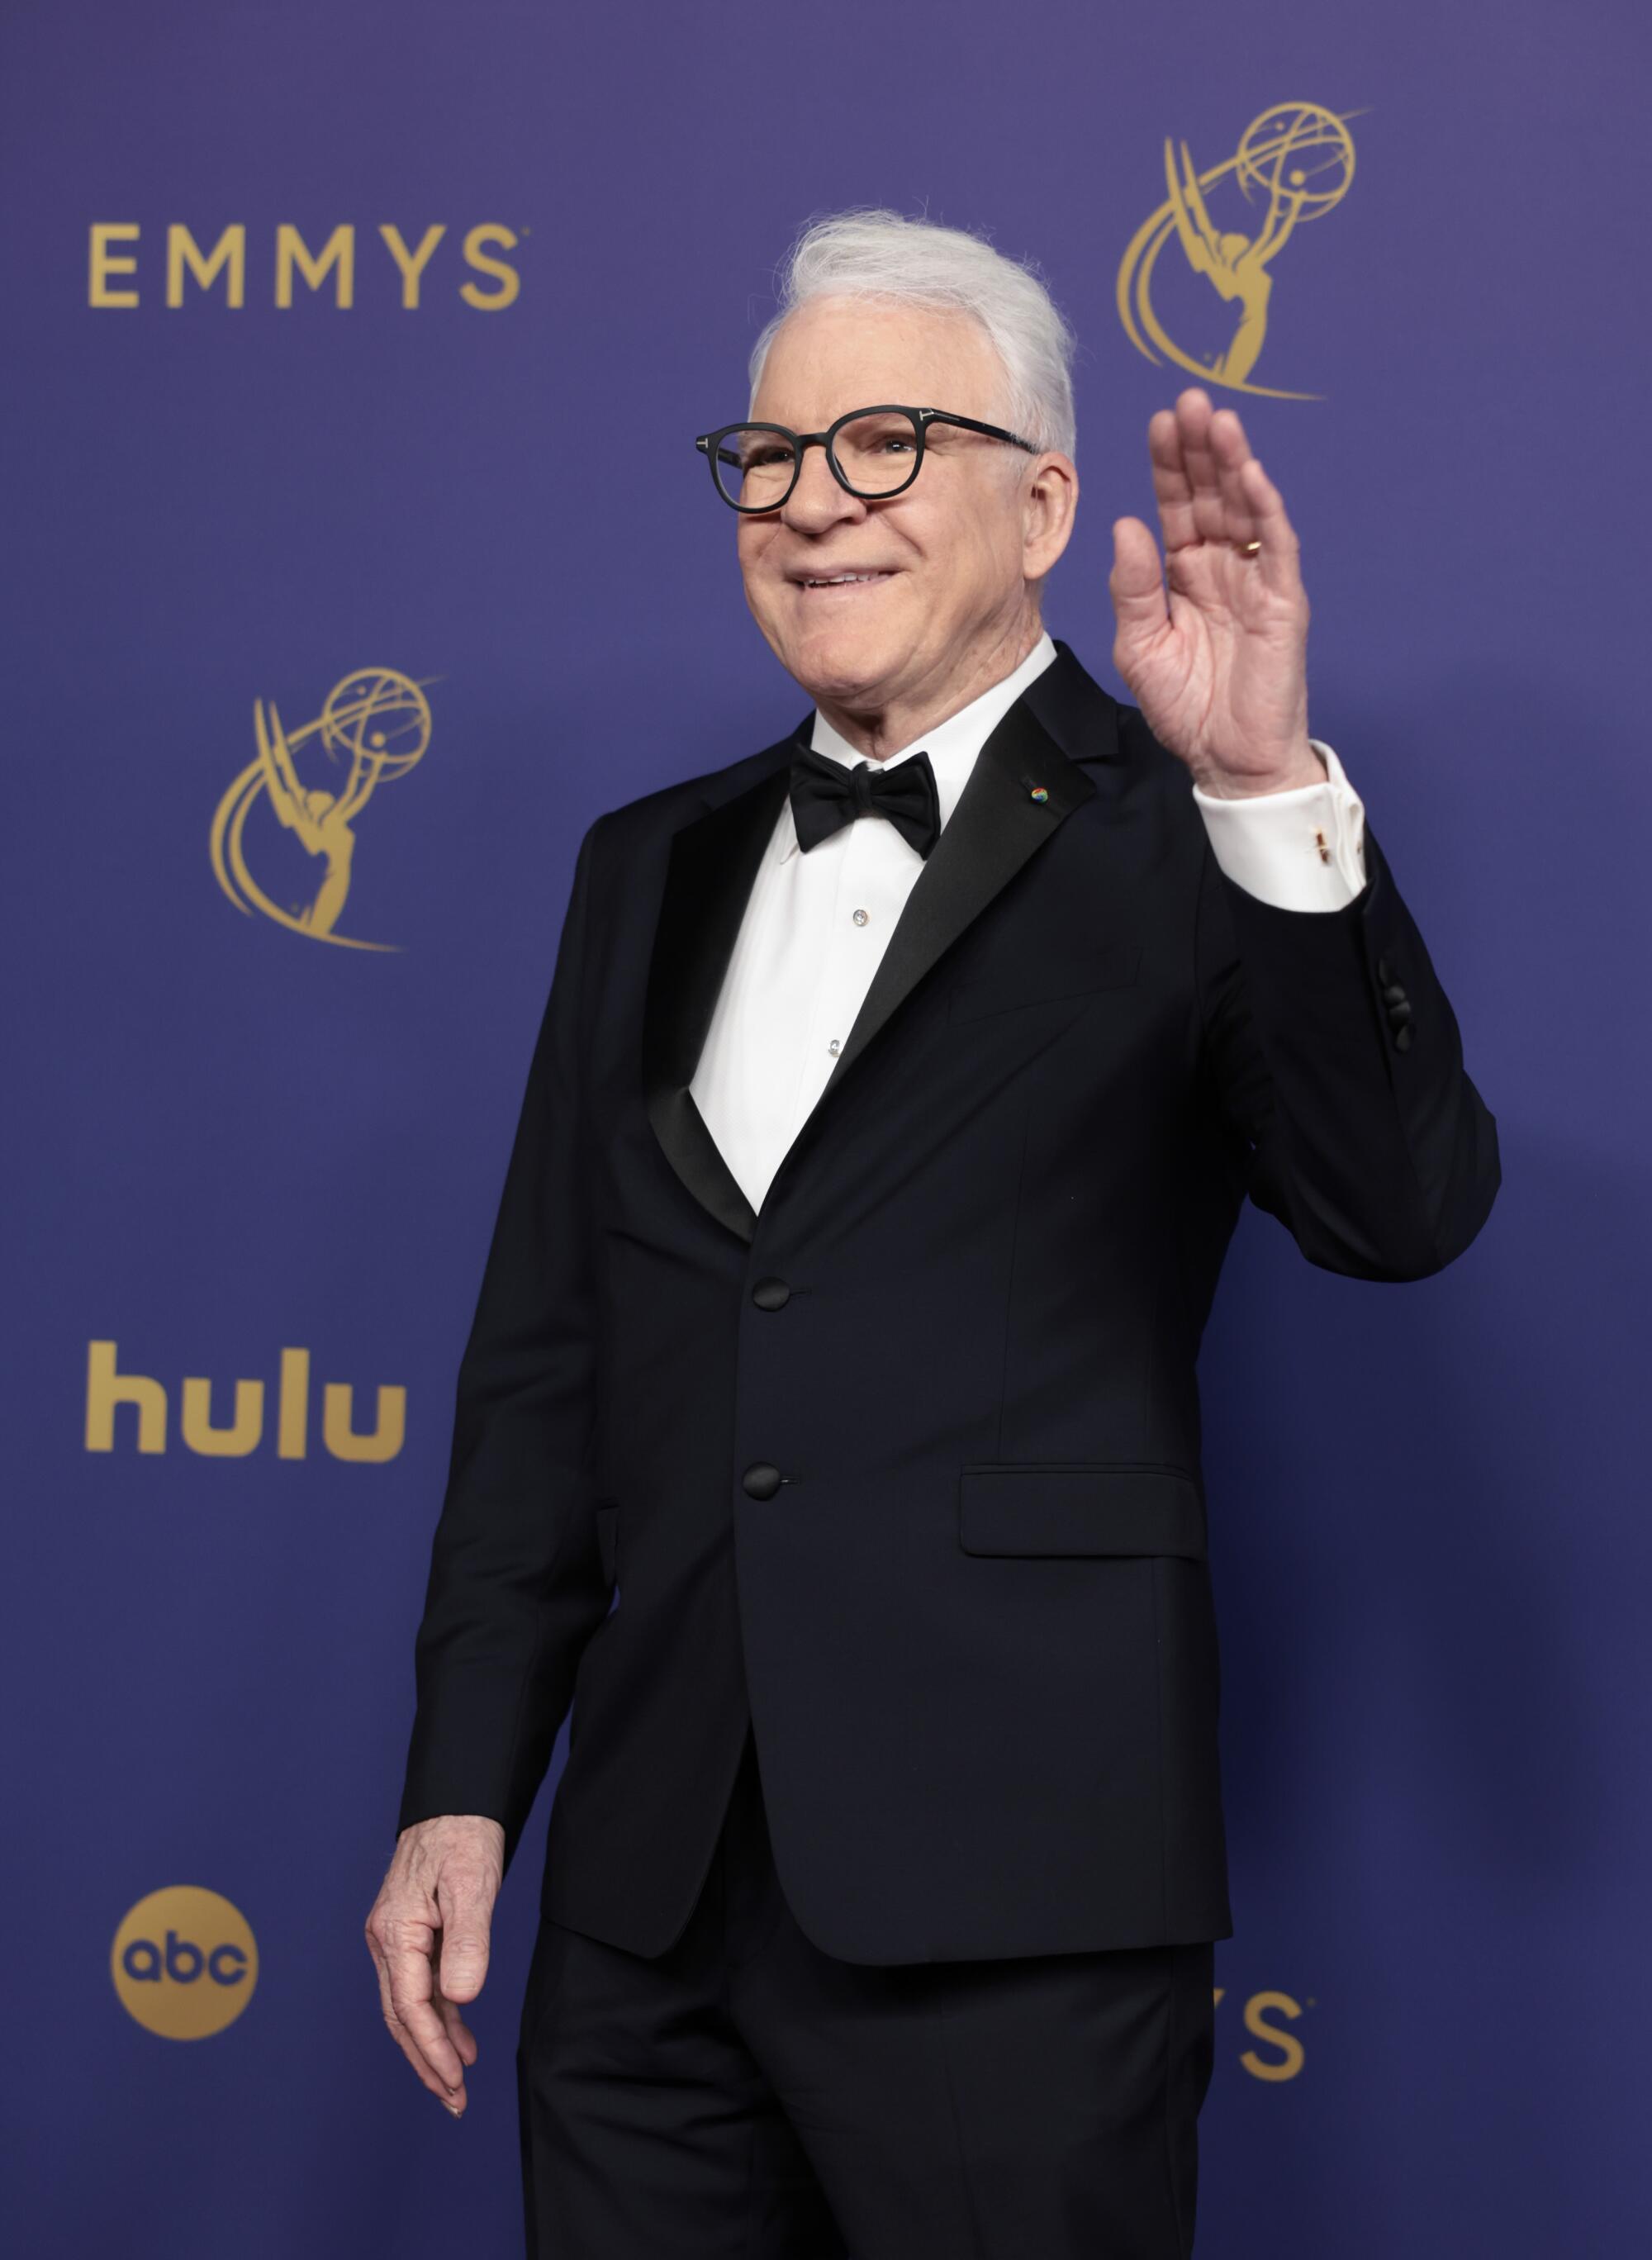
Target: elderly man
[(896, 1096)]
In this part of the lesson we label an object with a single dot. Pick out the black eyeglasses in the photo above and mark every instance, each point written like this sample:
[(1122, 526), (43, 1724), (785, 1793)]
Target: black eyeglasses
[(874, 453)]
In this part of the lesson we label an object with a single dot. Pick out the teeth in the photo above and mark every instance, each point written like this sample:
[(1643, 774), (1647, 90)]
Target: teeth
[(837, 579)]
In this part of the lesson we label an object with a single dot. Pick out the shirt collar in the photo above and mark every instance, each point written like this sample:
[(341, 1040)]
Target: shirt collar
[(952, 745)]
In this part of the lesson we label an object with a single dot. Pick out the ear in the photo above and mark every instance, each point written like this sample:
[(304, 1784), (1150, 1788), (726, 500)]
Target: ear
[(1049, 502)]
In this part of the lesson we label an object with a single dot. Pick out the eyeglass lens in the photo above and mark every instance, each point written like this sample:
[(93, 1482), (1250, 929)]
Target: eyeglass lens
[(875, 455)]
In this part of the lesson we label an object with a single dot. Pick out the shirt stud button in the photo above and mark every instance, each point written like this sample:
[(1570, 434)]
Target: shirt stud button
[(860, 917), (836, 1044)]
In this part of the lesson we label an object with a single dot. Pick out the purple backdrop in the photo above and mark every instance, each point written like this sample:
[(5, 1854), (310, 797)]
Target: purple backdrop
[(228, 1139)]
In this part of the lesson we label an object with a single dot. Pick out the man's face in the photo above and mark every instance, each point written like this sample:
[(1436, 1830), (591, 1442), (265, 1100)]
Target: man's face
[(950, 554)]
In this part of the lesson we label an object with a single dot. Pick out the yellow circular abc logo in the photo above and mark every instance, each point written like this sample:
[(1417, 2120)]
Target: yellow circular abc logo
[(184, 1962)]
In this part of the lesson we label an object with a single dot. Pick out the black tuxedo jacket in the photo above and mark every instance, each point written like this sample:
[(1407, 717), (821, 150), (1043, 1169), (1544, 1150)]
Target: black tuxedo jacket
[(905, 1470)]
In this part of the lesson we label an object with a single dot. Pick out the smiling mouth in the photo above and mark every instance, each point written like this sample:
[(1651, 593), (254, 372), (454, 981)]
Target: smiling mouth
[(842, 580)]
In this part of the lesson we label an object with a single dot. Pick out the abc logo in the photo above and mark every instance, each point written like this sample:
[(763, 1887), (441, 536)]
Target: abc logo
[(184, 1962)]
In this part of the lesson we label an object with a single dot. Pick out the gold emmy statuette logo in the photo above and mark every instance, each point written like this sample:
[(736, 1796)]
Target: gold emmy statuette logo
[(377, 717), (1298, 157), (184, 1962)]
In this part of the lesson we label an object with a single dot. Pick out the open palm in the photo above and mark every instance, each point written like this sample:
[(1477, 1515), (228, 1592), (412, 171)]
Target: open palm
[(1213, 646)]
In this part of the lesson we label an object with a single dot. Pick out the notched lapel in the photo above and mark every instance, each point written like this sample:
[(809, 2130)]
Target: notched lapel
[(713, 864), (996, 827)]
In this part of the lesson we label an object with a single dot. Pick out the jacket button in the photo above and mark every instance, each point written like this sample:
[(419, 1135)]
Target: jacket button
[(1402, 1038), (759, 1480), (771, 1294)]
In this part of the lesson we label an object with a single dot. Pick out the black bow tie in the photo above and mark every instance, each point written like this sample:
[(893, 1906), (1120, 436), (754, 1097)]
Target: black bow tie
[(825, 794)]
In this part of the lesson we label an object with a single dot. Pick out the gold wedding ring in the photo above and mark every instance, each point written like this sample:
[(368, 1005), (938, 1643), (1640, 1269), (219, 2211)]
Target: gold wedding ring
[(1248, 548)]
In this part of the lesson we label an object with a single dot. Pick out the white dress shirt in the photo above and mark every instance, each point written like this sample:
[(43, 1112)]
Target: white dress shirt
[(817, 925)]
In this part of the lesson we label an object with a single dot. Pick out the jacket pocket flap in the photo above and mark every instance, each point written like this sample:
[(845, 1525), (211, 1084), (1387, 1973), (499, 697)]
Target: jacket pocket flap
[(1083, 1507)]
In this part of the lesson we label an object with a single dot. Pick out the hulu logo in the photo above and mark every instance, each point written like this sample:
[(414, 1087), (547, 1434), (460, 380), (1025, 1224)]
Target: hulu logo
[(107, 1389)]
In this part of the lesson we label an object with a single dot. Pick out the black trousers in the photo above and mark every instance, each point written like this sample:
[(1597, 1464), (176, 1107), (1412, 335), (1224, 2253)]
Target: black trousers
[(745, 2096)]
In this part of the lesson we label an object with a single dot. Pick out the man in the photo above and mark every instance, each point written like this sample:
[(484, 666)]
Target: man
[(897, 1092)]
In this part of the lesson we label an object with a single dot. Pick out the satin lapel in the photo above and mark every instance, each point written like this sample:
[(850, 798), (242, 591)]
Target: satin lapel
[(995, 828), (713, 864)]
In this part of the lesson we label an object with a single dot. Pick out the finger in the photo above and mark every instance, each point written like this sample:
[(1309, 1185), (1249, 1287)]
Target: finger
[(407, 1952), (396, 2025), (1230, 451), (458, 2031), (1136, 586), (1279, 559), (1172, 489), (466, 1916), (404, 2039), (1193, 414)]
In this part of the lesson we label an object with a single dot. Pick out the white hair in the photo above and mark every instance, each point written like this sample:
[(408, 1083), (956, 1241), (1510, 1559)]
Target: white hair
[(879, 255)]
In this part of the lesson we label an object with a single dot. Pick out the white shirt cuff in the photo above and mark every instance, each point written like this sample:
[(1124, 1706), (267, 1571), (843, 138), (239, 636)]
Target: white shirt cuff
[(1300, 850)]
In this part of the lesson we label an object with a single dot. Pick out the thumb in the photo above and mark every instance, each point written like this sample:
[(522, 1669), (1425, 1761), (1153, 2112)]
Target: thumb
[(1136, 585), (464, 1945)]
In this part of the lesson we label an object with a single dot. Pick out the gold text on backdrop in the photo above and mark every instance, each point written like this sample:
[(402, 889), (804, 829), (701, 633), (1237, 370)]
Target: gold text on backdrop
[(184, 1962), (108, 1388), (113, 271)]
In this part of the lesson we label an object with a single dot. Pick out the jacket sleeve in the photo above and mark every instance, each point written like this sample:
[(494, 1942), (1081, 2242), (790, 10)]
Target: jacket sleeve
[(516, 1588), (1335, 1060)]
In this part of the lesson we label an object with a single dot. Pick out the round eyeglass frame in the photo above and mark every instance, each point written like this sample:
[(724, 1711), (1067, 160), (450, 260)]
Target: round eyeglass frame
[(710, 442)]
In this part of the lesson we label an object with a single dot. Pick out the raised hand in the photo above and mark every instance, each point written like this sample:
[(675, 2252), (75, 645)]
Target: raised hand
[(428, 1934), (1214, 648)]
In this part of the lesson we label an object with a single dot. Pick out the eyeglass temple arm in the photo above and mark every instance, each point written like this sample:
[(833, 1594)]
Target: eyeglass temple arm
[(969, 424)]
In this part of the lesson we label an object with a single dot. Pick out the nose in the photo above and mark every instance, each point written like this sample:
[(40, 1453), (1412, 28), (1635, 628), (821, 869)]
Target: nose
[(817, 502)]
